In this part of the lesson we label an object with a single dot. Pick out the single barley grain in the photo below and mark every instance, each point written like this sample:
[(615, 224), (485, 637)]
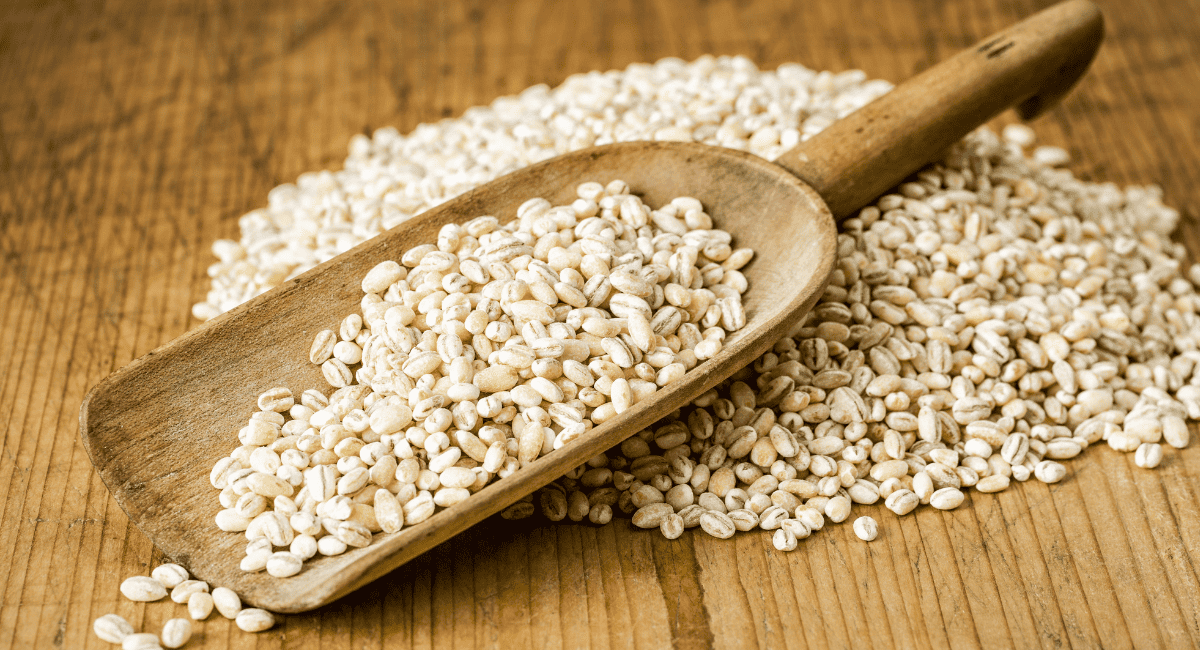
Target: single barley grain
[(143, 589), (112, 628), (170, 575), (141, 641), (255, 620), (200, 605), (176, 632), (866, 529)]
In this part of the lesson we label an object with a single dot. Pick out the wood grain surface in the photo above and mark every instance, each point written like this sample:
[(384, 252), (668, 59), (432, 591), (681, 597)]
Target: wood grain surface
[(132, 134)]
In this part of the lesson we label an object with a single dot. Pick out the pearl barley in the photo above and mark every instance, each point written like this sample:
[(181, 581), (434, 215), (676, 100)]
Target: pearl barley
[(227, 602), (1148, 455), (568, 325), (200, 605), (176, 632), (988, 317), (866, 529), (141, 641), (112, 628), (255, 620), (170, 575), (143, 589)]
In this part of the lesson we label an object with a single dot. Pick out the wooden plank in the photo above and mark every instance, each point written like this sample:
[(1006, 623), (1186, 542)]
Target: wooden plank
[(994, 540), (949, 588), (725, 598), (133, 135), (1072, 550)]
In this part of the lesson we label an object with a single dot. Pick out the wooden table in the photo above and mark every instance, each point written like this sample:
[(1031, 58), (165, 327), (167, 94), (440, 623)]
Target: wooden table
[(133, 134)]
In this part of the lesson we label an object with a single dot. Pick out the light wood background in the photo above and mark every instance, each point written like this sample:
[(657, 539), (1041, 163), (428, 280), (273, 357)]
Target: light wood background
[(132, 134)]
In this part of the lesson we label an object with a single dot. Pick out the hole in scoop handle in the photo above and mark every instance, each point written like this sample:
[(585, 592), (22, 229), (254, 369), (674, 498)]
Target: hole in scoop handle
[(1031, 64)]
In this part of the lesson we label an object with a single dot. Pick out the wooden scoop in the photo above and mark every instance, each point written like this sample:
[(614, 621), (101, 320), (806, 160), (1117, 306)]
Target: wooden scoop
[(155, 428)]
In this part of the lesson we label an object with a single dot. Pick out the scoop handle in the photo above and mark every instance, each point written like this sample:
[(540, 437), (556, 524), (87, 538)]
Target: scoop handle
[(1031, 64)]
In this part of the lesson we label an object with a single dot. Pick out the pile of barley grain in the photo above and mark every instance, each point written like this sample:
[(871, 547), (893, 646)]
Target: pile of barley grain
[(986, 320), (387, 179), (473, 357), (174, 580)]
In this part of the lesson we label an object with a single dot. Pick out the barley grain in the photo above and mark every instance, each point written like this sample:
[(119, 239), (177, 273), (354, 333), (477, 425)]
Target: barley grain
[(866, 529), (1148, 455), (141, 641), (170, 575), (227, 602), (200, 605), (112, 628), (955, 363), (255, 620), (143, 589), (176, 632), (946, 498), (184, 590)]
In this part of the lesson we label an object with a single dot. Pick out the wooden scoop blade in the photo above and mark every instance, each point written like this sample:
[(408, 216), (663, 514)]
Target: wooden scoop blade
[(155, 428)]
